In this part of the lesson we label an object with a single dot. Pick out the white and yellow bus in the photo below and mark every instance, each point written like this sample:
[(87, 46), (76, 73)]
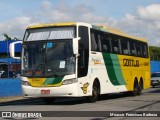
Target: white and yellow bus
[(79, 59)]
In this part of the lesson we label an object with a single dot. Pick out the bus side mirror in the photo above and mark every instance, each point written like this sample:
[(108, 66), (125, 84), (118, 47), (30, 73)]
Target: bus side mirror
[(75, 45), (12, 49)]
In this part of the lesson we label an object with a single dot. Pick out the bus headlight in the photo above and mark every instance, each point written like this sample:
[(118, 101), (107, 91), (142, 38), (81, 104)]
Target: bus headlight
[(70, 81), (26, 83)]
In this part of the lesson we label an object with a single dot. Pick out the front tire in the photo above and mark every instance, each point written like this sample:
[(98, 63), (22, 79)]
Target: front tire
[(95, 93)]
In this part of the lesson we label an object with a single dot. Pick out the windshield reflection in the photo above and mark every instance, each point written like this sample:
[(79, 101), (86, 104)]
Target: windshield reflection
[(48, 59)]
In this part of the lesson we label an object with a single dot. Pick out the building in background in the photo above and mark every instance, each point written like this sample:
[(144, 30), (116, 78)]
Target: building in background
[(5, 61)]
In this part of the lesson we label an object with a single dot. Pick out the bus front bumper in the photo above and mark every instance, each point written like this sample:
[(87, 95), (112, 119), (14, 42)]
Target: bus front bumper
[(61, 91)]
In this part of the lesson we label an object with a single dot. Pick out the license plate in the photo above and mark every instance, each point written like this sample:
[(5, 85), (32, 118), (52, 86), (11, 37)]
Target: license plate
[(45, 91)]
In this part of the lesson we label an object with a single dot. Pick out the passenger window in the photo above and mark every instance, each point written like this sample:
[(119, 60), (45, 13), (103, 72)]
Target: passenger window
[(133, 48), (139, 49), (116, 44), (125, 47), (106, 43), (96, 40), (99, 43), (93, 42), (144, 50)]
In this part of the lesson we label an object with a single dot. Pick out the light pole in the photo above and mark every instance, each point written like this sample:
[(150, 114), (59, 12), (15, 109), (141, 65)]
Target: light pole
[(8, 58), (7, 38)]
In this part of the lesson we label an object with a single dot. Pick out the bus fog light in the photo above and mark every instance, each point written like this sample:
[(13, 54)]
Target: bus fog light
[(26, 83), (70, 81)]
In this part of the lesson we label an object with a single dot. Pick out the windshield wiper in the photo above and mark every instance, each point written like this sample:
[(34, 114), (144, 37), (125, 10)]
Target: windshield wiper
[(56, 74)]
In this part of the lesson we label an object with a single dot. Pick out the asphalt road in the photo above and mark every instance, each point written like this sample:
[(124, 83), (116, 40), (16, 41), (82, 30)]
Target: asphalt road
[(64, 108)]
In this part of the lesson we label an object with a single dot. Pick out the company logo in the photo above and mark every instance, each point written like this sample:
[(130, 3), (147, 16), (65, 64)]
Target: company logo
[(96, 61), (84, 88), (131, 63), (36, 80)]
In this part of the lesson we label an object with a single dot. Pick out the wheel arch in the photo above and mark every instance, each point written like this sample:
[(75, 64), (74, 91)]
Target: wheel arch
[(99, 85)]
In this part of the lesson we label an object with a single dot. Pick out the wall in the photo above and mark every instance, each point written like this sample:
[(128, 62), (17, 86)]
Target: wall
[(155, 66), (10, 87)]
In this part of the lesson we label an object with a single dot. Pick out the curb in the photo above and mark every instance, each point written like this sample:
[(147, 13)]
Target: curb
[(10, 98), (15, 100)]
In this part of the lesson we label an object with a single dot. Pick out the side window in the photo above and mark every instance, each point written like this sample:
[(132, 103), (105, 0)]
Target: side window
[(133, 48), (99, 42), (116, 44), (94, 45), (96, 38), (144, 50), (125, 46), (139, 49), (106, 43)]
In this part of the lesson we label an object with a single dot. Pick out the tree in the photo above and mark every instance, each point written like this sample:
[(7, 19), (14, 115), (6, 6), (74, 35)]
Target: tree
[(6, 36), (154, 52), (9, 38)]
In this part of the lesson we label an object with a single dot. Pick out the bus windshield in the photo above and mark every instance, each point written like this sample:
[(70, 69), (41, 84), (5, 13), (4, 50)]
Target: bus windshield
[(48, 58)]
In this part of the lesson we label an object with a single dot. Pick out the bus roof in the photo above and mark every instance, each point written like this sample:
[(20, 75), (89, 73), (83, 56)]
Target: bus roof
[(98, 27), (52, 24), (117, 32)]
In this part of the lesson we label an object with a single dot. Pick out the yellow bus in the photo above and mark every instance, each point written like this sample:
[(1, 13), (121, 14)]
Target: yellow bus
[(79, 59)]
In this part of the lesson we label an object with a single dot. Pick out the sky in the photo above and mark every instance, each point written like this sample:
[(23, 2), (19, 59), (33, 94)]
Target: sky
[(139, 18)]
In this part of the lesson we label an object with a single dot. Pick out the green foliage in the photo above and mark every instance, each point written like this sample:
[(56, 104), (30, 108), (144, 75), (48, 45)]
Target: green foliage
[(154, 52), (6, 36)]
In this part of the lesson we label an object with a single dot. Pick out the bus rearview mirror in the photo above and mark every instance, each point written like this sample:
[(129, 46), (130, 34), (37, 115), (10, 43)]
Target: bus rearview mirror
[(12, 49), (75, 45)]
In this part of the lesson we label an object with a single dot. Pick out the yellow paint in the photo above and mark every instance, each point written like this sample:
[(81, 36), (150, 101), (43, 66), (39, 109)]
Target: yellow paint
[(36, 81), (52, 24), (85, 86), (132, 72), (97, 63), (119, 32)]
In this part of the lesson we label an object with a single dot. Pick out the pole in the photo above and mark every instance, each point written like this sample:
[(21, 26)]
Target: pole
[(8, 58)]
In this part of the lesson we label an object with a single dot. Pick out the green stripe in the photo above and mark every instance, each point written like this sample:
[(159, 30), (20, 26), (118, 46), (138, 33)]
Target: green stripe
[(51, 81), (113, 69), (99, 28)]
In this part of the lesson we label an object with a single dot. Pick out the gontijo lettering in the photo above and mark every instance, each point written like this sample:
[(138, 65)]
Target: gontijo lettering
[(131, 62)]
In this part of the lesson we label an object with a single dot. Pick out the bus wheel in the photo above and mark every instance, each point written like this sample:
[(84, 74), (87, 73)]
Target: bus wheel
[(95, 92), (135, 89), (140, 87), (48, 100)]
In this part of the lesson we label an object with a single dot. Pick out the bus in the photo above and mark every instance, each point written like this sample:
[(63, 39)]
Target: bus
[(77, 59)]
